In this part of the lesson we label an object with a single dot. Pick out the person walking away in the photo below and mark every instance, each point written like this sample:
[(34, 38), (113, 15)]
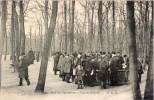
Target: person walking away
[(23, 69)]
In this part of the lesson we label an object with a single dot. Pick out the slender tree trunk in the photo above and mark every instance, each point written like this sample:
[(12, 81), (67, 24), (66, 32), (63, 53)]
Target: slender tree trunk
[(2, 30), (108, 36), (89, 31), (35, 42), (44, 62), (13, 33), (148, 93), (65, 23), (92, 30), (72, 28), (30, 35), (113, 26), (84, 29), (6, 39), (146, 33), (17, 37), (22, 27), (100, 23), (132, 51)]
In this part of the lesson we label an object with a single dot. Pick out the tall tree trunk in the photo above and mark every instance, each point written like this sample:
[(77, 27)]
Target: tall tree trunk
[(46, 50), (30, 35), (100, 23), (146, 33), (92, 30), (6, 39), (108, 36), (148, 93), (65, 23), (22, 26), (113, 26), (72, 28), (13, 33), (17, 38), (132, 51), (35, 42), (2, 30)]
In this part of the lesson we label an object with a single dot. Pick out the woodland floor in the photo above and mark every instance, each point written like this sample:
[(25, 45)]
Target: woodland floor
[(56, 89)]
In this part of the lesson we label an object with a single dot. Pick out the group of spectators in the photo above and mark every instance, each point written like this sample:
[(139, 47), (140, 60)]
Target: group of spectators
[(90, 69)]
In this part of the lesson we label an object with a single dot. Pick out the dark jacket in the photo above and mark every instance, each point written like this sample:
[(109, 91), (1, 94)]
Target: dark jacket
[(116, 63), (23, 67)]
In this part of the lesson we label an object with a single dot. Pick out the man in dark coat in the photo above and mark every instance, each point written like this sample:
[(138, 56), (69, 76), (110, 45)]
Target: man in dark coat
[(23, 69), (103, 71), (115, 65), (31, 56), (56, 60), (88, 77)]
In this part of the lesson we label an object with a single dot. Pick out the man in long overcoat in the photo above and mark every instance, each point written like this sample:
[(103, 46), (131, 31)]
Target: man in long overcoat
[(67, 67), (23, 69), (103, 71), (56, 60), (60, 65)]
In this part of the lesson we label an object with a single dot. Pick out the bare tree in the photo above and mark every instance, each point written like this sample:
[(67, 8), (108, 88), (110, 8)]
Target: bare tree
[(113, 26), (22, 27), (13, 33), (3, 30), (44, 62), (100, 23), (65, 23), (72, 27), (148, 93), (17, 38), (132, 51)]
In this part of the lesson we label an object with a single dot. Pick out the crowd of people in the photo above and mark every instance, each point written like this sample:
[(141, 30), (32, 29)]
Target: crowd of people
[(84, 69), (90, 69)]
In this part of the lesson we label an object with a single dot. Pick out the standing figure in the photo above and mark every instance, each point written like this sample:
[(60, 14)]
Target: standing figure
[(115, 65), (79, 75), (31, 56), (23, 69), (67, 68), (61, 64), (56, 60), (38, 56), (104, 66), (139, 70)]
